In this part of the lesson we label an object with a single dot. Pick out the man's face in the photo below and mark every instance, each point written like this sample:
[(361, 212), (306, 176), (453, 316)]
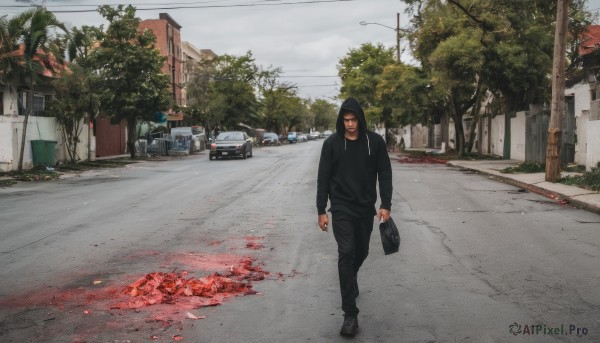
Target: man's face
[(350, 122)]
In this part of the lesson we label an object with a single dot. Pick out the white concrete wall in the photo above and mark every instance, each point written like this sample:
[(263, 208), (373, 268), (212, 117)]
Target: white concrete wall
[(497, 136), (6, 143), (407, 134), (82, 150), (9, 99), (581, 92), (582, 134), (452, 134), (11, 129), (593, 143), (517, 136)]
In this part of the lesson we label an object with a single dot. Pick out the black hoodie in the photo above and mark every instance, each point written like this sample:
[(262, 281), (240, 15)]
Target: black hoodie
[(348, 170)]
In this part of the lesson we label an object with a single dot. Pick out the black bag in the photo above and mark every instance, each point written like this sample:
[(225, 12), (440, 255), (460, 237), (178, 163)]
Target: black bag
[(390, 237)]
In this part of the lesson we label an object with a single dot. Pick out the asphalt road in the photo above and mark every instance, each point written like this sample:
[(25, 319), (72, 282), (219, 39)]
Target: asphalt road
[(478, 259)]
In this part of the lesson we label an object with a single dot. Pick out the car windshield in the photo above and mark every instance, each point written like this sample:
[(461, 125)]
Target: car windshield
[(269, 135), (230, 136)]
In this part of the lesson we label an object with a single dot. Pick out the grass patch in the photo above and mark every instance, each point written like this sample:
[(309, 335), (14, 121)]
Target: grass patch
[(525, 167), (536, 167), (38, 173), (449, 155), (587, 180), (89, 165), (41, 173)]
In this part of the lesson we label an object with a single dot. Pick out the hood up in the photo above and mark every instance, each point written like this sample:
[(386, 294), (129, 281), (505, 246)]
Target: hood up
[(351, 105)]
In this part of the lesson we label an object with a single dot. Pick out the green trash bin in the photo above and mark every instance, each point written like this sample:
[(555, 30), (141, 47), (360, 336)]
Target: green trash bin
[(43, 152)]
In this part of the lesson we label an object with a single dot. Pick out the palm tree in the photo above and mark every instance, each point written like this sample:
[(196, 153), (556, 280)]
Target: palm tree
[(10, 33), (40, 46)]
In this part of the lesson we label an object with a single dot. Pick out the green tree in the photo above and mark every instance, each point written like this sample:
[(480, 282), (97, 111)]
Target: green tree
[(198, 93), (80, 44), (10, 35), (40, 49), (232, 96), (278, 100), (360, 71), (131, 84), (70, 106), (470, 46), (325, 114), (407, 91)]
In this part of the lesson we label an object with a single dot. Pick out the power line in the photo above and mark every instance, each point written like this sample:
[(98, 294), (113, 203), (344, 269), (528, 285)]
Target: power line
[(212, 6), (148, 4), (334, 85), (315, 76)]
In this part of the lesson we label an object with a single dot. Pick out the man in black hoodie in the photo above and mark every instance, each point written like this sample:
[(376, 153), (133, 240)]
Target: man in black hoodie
[(352, 160)]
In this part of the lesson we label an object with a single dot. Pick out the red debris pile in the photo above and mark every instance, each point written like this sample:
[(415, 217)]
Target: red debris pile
[(167, 288), (420, 159)]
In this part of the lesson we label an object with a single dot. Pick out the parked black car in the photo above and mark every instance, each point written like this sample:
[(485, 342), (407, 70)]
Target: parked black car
[(230, 144)]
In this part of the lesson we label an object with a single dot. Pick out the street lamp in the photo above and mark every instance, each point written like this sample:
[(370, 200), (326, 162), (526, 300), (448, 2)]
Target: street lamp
[(397, 29)]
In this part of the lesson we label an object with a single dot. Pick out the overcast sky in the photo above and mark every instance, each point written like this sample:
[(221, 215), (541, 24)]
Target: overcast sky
[(306, 38)]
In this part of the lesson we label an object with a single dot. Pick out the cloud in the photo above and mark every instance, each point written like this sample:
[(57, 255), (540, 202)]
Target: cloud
[(303, 39)]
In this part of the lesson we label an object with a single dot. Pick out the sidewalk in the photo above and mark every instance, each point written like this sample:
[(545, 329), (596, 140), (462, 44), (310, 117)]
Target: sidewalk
[(534, 182)]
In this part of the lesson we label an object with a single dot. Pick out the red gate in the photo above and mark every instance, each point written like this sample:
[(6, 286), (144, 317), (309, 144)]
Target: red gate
[(110, 139)]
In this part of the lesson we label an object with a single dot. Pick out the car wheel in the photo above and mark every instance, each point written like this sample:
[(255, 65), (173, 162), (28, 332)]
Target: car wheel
[(244, 155), (210, 157)]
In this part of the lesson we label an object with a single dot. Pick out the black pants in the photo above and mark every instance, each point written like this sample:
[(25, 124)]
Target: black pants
[(352, 235)]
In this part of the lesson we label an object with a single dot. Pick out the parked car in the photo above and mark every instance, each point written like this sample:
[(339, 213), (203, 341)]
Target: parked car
[(270, 138), (327, 133), (231, 144), (292, 137), (314, 135), (302, 138)]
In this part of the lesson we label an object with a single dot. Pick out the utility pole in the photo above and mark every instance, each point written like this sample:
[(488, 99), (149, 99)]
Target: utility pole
[(558, 93), (398, 36)]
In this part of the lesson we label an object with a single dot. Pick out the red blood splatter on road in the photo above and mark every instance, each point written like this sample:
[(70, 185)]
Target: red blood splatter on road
[(157, 301), (168, 288), (420, 160)]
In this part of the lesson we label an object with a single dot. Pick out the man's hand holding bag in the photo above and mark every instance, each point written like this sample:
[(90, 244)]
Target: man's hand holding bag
[(390, 237)]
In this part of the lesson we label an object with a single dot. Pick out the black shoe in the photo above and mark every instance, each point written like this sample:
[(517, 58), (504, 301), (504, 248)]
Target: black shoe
[(350, 326), (356, 292)]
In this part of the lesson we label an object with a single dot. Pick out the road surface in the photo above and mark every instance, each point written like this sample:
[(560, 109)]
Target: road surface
[(480, 261)]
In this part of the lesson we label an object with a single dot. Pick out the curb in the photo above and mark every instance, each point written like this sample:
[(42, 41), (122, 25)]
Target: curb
[(535, 189)]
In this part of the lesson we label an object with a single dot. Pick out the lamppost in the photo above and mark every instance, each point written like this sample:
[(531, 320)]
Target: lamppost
[(397, 29)]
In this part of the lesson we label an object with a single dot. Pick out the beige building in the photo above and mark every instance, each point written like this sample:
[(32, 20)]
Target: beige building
[(191, 56)]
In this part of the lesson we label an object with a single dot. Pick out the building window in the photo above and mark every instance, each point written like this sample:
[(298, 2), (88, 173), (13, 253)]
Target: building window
[(39, 103)]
